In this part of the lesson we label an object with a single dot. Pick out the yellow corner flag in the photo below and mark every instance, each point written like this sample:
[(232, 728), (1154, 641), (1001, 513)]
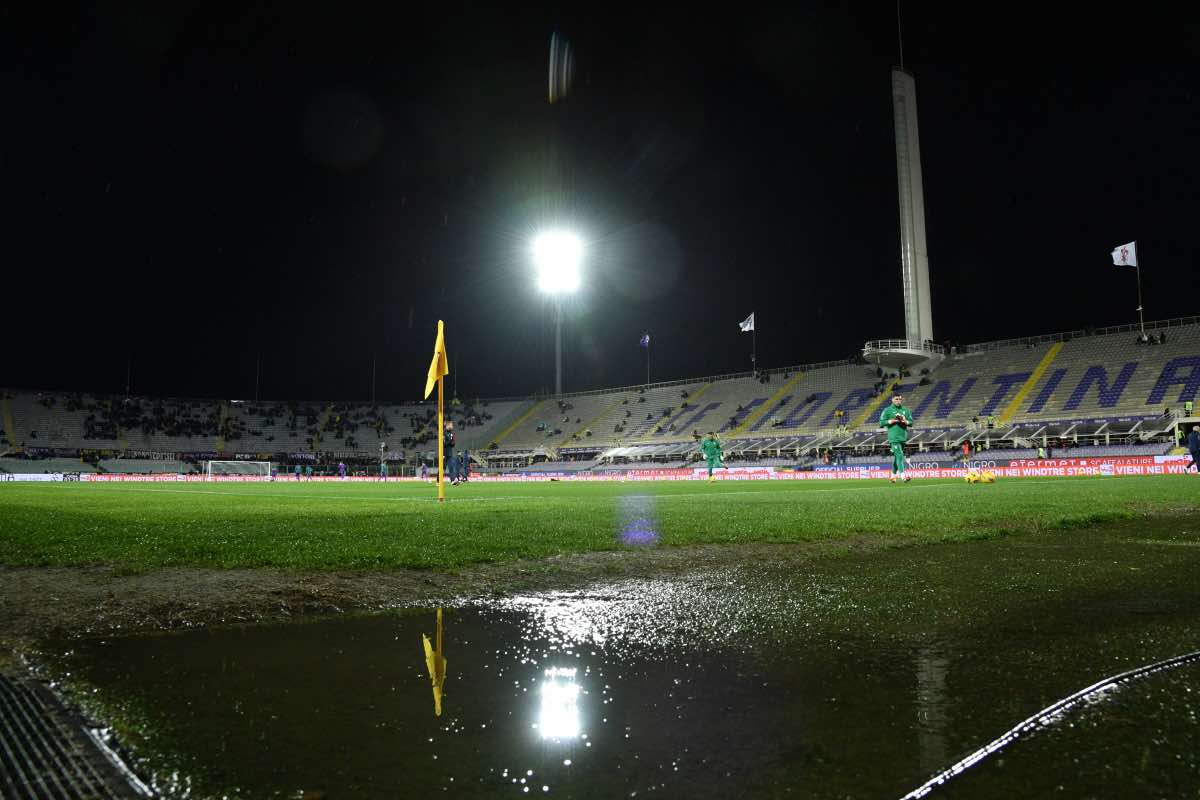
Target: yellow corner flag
[(438, 369), (440, 365)]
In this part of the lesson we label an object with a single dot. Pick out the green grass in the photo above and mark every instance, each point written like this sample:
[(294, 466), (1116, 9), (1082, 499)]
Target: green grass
[(138, 527)]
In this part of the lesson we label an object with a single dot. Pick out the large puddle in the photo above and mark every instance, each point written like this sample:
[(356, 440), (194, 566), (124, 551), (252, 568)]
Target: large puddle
[(855, 676)]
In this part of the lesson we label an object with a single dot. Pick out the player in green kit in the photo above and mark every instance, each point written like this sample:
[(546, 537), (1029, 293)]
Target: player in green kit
[(711, 449), (897, 419)]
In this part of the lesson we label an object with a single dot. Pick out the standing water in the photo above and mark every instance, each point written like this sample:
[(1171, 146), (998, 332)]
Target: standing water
[(843, 677)]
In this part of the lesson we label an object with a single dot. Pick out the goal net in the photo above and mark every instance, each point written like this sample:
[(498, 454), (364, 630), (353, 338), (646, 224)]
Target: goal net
[(246, 469)]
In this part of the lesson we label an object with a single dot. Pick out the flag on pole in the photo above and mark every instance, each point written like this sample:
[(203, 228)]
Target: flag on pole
[(645, 340), (1125, 255), (440, 365), (747, 325), (438, 369)]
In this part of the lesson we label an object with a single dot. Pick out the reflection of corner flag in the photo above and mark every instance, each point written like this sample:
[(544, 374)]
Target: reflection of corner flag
[(440, 364), (435, 662)]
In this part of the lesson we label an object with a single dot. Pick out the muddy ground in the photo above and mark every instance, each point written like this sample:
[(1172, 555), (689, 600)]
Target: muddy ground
[(41, 602)]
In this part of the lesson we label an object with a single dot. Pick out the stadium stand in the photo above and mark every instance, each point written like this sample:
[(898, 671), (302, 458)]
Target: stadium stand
[(140, 466), (555, 466), (1110, 387), (42, 465)]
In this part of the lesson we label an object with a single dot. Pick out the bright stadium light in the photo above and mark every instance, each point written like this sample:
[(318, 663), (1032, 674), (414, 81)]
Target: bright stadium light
[(557, 255)]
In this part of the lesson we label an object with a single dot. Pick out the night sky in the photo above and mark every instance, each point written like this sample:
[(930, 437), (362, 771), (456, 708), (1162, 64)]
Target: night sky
[(195, 186)]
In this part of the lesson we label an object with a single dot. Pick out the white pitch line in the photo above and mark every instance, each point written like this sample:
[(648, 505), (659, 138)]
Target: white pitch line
[(798, 493), (322, 496), (808, 491)]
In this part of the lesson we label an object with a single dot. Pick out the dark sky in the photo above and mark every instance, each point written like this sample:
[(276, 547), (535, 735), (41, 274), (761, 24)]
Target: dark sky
[(198, 184)]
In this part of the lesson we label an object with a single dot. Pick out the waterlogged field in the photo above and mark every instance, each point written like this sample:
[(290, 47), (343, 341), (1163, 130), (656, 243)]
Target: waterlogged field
[(857, 674), (142, 527)]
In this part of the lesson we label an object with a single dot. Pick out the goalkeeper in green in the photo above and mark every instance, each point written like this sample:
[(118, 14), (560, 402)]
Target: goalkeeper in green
[(897, 419), (711, 449)]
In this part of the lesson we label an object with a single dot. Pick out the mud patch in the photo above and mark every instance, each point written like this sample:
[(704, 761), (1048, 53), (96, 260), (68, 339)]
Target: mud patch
[(36, 603)]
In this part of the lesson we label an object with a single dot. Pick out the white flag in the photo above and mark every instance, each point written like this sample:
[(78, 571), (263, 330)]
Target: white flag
[(1125, 255), (747, 324)]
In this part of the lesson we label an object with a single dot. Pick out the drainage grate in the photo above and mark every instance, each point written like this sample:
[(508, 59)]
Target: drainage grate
[(47, 753)]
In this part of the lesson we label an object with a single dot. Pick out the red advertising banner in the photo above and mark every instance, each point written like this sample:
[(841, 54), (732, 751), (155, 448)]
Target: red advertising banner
[(1028, 468)]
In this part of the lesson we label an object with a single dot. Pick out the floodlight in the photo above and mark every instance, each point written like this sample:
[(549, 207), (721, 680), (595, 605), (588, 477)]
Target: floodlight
[(557, 256)]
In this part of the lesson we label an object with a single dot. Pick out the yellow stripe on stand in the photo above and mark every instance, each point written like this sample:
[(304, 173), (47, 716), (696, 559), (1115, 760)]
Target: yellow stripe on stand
[(861, 419), (608, 410), (758, 413), (504, 433), (1027, 387), (10, 428), (222, 415), (669, 419)]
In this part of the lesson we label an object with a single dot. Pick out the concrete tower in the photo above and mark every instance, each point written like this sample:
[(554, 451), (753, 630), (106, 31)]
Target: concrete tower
[(914, 256), (915, 348)]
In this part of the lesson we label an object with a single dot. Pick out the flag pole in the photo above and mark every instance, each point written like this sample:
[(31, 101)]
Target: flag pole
[(647, 362), (1138, 267), (754, 343), (441, 434)]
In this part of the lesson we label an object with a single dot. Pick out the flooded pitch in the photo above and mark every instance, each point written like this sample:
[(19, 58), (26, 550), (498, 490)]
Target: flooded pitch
[(853, 676)]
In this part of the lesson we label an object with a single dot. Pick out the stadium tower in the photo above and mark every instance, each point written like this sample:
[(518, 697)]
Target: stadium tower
[(917, 347)]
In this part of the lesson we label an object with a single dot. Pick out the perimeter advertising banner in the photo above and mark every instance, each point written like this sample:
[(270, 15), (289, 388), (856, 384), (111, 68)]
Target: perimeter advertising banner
[(1016, 468)]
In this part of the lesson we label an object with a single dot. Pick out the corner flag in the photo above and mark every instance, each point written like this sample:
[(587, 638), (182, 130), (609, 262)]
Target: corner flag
[(440, 364), (438, 369), (1125, 255)]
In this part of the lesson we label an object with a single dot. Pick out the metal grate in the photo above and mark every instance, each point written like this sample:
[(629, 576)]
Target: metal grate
[(47, 753)]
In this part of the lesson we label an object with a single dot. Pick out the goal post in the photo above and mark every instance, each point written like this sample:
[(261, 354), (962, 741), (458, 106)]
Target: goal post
[(214, 470)]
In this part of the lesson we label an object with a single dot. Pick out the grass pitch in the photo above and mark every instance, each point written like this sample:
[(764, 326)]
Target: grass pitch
[(328, 526)]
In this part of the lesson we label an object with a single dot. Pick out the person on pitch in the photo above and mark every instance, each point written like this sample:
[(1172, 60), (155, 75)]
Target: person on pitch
[(711, 448), (450, 464), (897, 420)]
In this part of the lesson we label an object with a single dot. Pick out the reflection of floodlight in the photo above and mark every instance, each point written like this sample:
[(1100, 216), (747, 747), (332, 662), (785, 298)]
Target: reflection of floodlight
[(557, 255), (559, 717)]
